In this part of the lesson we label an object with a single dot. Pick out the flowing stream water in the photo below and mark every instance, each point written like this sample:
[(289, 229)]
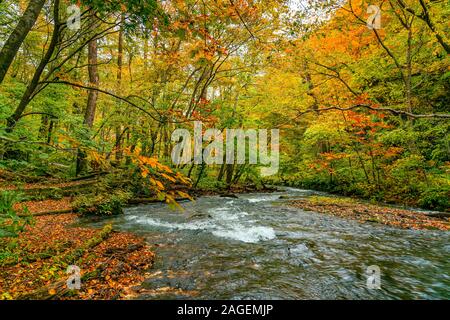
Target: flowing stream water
[(257, 247)]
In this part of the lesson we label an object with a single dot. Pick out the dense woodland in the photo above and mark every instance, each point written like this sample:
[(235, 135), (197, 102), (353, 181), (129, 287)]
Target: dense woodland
[(362, 111), (88, 104)]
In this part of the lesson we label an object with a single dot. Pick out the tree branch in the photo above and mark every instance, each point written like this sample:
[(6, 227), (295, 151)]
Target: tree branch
[(370, 107), (105, 92)]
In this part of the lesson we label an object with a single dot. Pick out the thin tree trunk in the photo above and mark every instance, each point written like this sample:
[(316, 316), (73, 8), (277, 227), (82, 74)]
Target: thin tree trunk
[(89, 115), (118, 133), (222, 170), (26, 98), (229, 173), (93, 82), (145, 49), (200, 174)]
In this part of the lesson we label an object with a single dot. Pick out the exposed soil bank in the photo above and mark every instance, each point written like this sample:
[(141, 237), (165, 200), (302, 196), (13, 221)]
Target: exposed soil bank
[(364, 213)]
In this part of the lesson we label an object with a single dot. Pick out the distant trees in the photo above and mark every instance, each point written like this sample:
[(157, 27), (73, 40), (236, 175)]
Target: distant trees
[(359, 109)]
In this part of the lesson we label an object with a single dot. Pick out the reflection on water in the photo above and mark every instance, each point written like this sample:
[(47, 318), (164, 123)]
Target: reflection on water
[(254, 247)]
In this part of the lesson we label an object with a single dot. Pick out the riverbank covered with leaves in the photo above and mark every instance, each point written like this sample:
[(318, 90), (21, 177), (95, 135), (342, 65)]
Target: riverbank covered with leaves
[(369, 213), (34, 265)]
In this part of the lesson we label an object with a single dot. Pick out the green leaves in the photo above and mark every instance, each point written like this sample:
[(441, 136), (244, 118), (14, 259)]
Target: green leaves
[(12, 221)]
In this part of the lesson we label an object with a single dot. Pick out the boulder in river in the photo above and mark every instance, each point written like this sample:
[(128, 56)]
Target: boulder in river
[(199, 216)]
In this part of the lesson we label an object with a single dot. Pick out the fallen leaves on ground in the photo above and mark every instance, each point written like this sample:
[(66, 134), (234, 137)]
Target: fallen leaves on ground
[(48, 205), (349, 208), (109, 270)]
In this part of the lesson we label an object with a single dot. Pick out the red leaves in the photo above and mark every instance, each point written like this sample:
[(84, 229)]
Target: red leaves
[(364, 128)]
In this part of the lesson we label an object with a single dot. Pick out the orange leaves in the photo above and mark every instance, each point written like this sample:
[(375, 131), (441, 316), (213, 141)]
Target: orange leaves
[(392, 152), (171, 179), (330, 156), (183, 194), (326, 162), (144, 172), (152, 162), (362, 124), (159, 185)]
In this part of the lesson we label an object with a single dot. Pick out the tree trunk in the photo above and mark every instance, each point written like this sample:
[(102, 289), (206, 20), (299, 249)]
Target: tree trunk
[(89, 115), (16, 38), (26, 98), (118, 130), (229, 170), (93, 82), (146, 49)]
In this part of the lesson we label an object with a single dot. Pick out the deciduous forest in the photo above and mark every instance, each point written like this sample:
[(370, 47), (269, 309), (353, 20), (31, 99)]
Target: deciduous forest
[(91, 92)]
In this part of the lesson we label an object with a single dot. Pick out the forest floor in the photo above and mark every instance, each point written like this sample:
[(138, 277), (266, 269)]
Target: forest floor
[(370, 213), (112, 263)]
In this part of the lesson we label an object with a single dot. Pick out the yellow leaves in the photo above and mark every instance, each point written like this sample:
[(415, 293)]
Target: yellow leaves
[(157, 176), (205, 53), (6, 296), (184, 195), (152, 162), (161, 196), (183, 179), (97, 160), (170, 200), (144, 172), (63, 138), (52, 292), (171, 179), (159, 185)]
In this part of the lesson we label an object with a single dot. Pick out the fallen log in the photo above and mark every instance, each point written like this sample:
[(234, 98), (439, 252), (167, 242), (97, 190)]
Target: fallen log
[(47, 213), (135, 201), (14, 176), (90, 175), (441, 215)]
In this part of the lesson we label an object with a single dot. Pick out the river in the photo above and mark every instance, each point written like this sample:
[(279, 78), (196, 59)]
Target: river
[(257, 247)]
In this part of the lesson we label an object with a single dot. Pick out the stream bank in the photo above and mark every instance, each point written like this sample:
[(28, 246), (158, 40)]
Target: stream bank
[(369, 213), (111, 262), (257, 246)]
